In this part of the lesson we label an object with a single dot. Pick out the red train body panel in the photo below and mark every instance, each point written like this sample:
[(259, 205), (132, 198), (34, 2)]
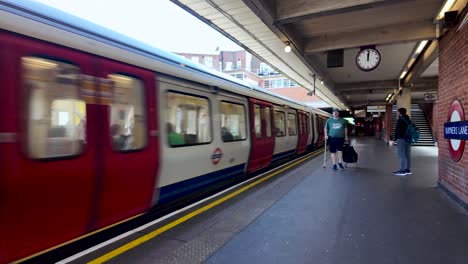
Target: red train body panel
[(47, 199), (46, 202), (263, 141)]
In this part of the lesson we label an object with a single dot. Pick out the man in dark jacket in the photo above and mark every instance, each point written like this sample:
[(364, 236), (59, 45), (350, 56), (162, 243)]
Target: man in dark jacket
[(403, 147)]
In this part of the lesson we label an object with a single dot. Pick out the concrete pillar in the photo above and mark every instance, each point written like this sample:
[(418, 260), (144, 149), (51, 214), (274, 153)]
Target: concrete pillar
[(388, 122), (404, 100)]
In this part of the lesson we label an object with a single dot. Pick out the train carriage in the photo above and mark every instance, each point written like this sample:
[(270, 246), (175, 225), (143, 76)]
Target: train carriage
[(96, 128)]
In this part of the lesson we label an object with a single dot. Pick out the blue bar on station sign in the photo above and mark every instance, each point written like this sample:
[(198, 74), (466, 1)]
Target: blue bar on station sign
[(456, 130)]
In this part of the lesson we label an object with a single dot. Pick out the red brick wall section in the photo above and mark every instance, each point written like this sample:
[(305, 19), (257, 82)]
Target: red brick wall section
[(453, 84)]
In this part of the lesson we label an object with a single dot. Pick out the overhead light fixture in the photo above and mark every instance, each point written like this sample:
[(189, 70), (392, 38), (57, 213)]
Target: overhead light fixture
[(403, 74), (389, 96), (448, 4), (287, 48), (321, 81), (421, 46)]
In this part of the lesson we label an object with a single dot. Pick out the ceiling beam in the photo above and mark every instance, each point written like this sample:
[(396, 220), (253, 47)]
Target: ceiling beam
[(366, 86), (365, 92), (425, 59), (426, 81), (294, 11), (367, 103), (400, 33)]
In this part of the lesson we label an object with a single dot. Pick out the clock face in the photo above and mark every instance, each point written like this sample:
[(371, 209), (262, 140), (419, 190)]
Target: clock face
[(368, 59)]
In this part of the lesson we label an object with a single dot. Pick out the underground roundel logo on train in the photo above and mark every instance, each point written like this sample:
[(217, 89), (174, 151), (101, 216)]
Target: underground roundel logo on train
[(216, 156), (456, 130)]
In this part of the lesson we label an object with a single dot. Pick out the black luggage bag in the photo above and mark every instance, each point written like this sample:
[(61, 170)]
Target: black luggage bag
[(349, 154)]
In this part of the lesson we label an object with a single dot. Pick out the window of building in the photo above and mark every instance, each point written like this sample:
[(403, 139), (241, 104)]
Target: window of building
[(56, 113), (209, 61), (233, 125), (257, 121), (188, 121), (228, 65), (240, 76), (265, 67), (266, 84), (292, 125), (280, 123), (268, 121), (127, 113), (195, 59), (239, 64)]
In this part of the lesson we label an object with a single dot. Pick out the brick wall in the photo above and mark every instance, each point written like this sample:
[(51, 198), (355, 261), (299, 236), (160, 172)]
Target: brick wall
[(453, 84)]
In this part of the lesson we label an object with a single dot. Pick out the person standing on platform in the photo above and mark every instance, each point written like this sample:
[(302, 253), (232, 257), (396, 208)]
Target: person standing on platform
[(403, 147), (336, 132)]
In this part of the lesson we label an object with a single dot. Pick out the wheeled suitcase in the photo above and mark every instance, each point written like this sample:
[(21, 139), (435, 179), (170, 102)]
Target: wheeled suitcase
[(349, 154)]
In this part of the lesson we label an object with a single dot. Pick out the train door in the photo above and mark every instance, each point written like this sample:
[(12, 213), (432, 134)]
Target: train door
[(310, 141), (303, 132), (128, 158), (262, 136), (321, 131), (48, 172)]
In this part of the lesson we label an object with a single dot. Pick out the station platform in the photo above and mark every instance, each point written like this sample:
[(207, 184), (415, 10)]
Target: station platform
[(311, 214)]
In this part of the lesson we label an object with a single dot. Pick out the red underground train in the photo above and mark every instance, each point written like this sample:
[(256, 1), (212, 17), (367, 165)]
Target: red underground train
[(96, 128)]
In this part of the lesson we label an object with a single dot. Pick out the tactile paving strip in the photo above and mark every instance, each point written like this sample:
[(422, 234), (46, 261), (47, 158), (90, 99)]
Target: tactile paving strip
[(233, 220)]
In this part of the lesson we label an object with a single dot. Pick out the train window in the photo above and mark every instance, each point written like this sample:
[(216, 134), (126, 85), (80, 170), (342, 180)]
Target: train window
[(127, 114), (280, 124), (188, 121), (292, 127), (268, 121), (257, 121), (306, 125), (56, 114), (300, 124), (233, 126)]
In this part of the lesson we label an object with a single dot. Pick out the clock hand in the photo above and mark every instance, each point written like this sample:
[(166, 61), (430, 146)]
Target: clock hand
[(368, 55)]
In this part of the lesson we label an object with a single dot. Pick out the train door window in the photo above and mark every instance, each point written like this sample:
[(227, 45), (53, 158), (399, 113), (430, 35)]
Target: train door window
[(257, 121), (304, 124), (301, 124), (127, 113), (188, 121), (233, 126), (280, 123), (292, 127), (56, 117), (268, 121)]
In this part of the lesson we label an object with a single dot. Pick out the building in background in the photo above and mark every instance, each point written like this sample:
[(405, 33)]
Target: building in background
[(245, 66)]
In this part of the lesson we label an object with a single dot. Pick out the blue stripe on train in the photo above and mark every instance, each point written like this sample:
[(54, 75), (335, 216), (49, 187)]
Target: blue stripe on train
[(180, 189), (283, 155)]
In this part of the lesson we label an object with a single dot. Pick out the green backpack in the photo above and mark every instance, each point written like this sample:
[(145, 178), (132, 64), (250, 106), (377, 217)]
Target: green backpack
[(412, 132)]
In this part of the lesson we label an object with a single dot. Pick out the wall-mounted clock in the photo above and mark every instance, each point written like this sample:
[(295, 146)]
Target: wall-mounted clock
[(368, 59)]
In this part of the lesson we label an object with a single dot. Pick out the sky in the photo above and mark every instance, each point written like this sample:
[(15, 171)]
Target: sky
[(159, 23)]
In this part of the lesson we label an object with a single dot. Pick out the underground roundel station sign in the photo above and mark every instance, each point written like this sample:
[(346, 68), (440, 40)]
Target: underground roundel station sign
[(456, 130), (216, 156)]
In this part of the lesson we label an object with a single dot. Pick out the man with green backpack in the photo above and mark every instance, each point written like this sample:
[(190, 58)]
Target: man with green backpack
[(406, 133)]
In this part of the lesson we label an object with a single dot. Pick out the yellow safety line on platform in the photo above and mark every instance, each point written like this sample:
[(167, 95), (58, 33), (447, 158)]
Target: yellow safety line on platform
[(158, 231), (73, 240)]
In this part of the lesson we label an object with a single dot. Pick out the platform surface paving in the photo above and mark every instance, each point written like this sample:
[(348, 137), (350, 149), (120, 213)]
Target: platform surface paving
[(315, 215)]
